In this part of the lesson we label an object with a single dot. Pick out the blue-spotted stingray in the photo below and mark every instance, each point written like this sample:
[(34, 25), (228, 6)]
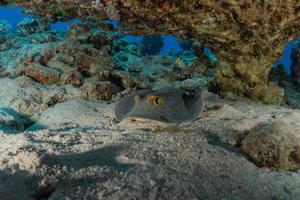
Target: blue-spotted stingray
[(167, 105)]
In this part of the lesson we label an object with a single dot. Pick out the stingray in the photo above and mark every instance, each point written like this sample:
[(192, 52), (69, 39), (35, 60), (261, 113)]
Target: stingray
[(167, 105)]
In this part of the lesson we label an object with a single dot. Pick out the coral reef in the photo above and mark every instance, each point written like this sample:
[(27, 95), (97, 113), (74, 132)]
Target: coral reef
[(30, 25), (58, 93), (99, 63), (4, 28), (249, 36), (180, 69)]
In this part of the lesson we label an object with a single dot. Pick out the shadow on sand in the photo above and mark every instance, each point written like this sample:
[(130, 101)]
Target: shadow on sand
[(105, 156)]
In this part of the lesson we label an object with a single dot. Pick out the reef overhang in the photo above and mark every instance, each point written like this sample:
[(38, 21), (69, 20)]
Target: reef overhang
[(247, 36)]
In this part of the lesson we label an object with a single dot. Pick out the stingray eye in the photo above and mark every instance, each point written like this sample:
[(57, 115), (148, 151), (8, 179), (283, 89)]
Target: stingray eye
[(153, 100), (160, 101), (156, 100)]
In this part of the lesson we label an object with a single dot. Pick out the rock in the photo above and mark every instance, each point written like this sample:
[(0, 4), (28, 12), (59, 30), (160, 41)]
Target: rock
[(224, 70), (232, 38), (123, 57), (124, 79), (61, 66), (230, 88), (275, 145), (65, 58), (166, 75), (256, 74), (75, 79), (133, 50), (135, 68), (199, 69), (179, 64), (10, 120), (30, 25), (119, 45), (43, 74), (268, 94), (95, 90), (101, 72), (292, 97), (240, 80), (193, 83), (28, 97), (62, 61), (101, 38)]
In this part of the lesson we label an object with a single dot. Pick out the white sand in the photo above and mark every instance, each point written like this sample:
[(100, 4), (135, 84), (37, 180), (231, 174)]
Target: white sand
[(90, 156)]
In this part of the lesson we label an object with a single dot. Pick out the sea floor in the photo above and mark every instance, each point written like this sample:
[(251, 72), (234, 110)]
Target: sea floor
[(91, 156)]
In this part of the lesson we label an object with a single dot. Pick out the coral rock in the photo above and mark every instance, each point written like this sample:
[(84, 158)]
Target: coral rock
[(274, 145), (124, 79), (75, 79), (43, 74), (269, 94), (10, 120), (101, 72), (94, 90), (31, 25), (61, 66), (248, 35), (65, 58)]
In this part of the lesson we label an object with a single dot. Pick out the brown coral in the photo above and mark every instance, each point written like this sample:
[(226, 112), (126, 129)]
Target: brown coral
[(248, 35)]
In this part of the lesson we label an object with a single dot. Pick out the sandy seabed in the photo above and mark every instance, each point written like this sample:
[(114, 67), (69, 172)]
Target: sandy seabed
[(77, 150)]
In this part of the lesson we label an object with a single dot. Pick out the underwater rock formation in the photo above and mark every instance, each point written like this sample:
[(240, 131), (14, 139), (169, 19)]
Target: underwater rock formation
[(274, 145), (249, 36), (30, 25), (4, 28), (99, 63)]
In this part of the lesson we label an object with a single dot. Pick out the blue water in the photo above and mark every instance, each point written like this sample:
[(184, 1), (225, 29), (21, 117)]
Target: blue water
[(14, 15)]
